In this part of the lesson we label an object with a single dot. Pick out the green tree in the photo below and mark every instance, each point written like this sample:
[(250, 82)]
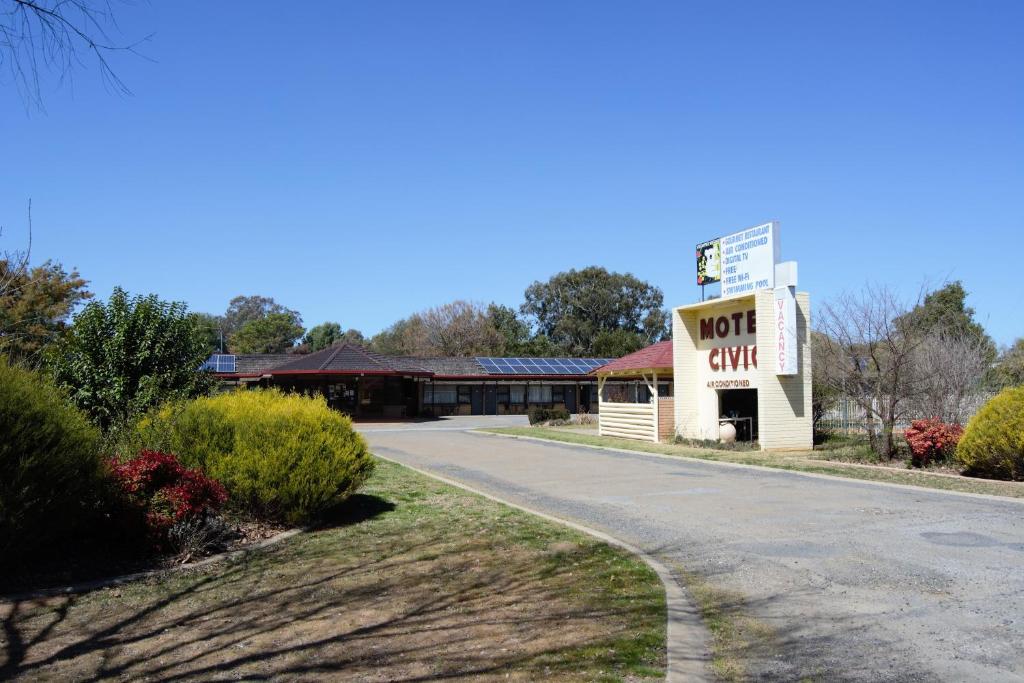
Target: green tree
[(244, 309), (35, 305), (573, 308), (1009, 370), (274, 333), (944, 312), (514, 331), (322, 336), (120, 358), (212, 327), (617, 343)]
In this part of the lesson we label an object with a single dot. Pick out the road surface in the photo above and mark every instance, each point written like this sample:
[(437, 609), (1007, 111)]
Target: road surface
[(856, 581)]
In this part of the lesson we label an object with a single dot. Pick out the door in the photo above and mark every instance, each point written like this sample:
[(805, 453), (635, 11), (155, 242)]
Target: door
[(570, 399), (476, 400), (490, 399)]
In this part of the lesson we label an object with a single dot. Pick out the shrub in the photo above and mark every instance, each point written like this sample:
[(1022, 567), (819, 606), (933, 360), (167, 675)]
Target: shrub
[(167, 498), (932, 441), (538, 415), (993, 443), (51, 475), (281, 456)]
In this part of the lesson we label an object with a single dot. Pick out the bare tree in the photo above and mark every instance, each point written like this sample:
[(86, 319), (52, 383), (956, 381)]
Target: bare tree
[(952, 369), (870, 350), (57, 35), (459, 328)]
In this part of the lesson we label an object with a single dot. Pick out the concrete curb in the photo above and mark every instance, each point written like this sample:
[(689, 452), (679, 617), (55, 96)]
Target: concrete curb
[(96, 584), (686, 639), (763, 468)]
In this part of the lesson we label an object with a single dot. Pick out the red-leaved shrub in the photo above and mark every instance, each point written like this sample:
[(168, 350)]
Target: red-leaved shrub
[(166, 492), (932, 440)]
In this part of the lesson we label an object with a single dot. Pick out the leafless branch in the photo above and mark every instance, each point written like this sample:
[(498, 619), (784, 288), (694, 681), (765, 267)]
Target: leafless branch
[(56, 35)]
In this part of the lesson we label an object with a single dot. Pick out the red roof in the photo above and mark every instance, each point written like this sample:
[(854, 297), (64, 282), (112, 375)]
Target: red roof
[(654, 356)]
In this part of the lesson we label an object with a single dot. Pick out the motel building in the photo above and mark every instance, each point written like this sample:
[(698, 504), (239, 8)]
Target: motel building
[(738, 366), (715, 374), (368, 385)]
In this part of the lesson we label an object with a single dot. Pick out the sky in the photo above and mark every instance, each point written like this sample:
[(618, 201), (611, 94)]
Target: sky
[(359, 162)]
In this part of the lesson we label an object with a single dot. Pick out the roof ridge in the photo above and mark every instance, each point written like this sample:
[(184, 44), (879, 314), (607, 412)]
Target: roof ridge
[(337, 350)]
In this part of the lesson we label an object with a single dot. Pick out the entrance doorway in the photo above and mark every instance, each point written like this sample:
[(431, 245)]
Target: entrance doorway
[(739, 406)]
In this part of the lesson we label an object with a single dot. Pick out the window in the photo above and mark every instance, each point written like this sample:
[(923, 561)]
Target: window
[(516, 394), (439, 394), (558, 394), (665, 389), (503, 394), (540, 393), (465, 394)]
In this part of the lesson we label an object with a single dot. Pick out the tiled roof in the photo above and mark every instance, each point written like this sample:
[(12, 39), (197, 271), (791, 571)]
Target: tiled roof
[(447, 366), (258, 363), (347, 358), (654, 356)]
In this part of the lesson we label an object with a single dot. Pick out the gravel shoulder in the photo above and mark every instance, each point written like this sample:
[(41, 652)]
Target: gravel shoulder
[(842, 579)]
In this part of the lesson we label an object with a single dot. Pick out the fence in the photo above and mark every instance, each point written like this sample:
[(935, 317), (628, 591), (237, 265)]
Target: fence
[(848, 417)]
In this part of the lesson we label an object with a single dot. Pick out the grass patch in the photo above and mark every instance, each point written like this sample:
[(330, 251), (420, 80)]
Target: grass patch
[(799, 461), (735, 636), (414, 580)]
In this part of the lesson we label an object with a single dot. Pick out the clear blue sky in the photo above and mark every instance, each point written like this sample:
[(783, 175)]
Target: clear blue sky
[(361, 161)]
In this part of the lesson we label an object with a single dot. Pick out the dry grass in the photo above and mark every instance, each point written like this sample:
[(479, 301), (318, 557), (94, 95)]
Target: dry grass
[(800, 461), (417, 581)]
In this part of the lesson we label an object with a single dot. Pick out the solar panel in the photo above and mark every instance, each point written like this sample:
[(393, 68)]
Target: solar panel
[(219, 362), (539, 366)]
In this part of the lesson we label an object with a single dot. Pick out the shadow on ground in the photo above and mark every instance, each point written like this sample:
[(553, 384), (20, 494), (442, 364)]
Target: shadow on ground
[(363, 598)]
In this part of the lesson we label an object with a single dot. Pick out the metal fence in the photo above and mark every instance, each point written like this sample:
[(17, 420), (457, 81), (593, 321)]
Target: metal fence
[(849, 417)]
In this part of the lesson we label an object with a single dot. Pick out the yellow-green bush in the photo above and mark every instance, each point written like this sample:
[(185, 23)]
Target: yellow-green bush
[(280, 456), (52, 479), (993, 443)]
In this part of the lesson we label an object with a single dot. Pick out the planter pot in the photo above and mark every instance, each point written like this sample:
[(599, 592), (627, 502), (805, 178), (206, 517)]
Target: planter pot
[(726, 432)]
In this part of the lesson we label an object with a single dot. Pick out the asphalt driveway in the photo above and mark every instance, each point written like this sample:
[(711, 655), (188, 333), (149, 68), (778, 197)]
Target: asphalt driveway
[(856, 581)]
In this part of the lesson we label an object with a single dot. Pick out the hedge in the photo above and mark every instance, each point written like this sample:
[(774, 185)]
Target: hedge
[(52, 478), (280, 456), (993, 442)]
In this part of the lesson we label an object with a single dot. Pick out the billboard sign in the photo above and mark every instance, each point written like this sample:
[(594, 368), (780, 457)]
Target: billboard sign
[(709, 262), (748, 259)]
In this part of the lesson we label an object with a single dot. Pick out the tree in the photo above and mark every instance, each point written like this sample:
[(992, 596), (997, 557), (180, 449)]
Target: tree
[(573, 308), (1009, 370), (273, 333), (243, 309), (459, 328), (879, 352), (868, 350), (212, 327), (35, 305), (617, 343), (120, 358), (328, 334), (400, 338), (58, 34), (952, 367), (944, 312), (322, 336)]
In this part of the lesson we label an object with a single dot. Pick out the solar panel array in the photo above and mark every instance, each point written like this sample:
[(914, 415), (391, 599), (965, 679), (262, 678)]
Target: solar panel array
[(541, 366), (219, 362)]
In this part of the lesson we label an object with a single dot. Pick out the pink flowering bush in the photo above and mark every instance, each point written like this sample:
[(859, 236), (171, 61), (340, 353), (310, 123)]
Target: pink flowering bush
[(932, 440)]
